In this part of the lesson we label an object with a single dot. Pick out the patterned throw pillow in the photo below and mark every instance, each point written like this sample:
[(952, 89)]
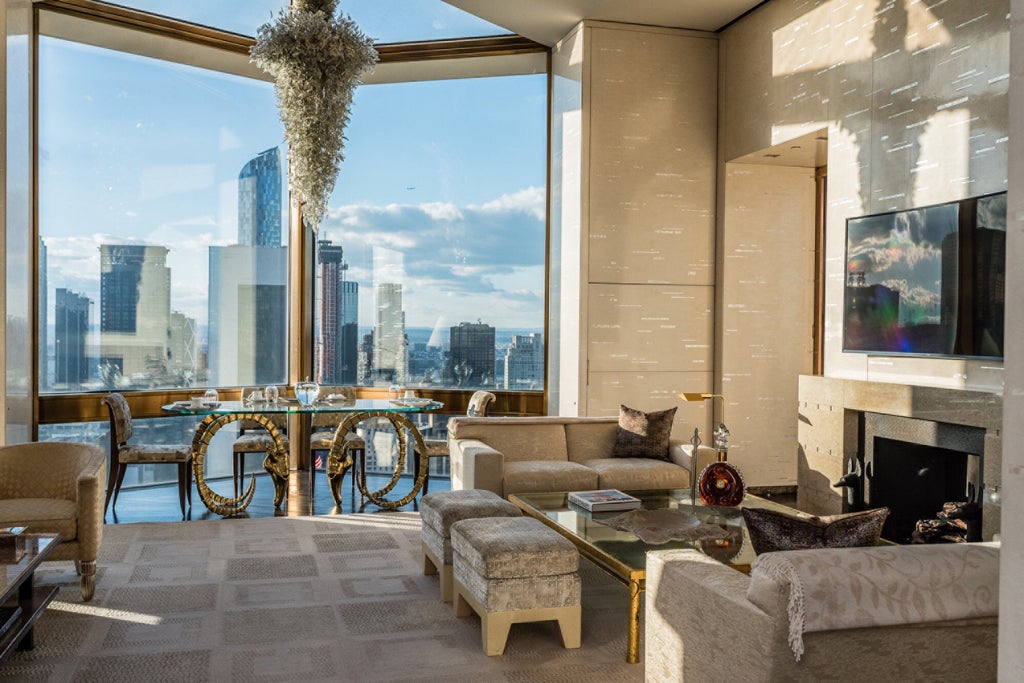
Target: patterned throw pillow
[(770, 531), (643, 435)]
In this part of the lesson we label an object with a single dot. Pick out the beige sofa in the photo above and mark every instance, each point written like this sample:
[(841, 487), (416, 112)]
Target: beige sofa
[(544, 454), (933, 610)]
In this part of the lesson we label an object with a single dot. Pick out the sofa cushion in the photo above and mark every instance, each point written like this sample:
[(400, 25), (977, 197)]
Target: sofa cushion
[(516, 438), (643, 435), (594, 438), (530, 476), (41, 516), (771, 530), (638, 474)]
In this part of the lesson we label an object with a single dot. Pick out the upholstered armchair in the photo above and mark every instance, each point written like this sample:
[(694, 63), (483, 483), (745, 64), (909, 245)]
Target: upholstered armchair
[(57, 487)]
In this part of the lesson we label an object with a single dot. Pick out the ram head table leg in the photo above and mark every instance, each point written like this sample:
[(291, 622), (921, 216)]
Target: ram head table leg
[(276, 463), (339, 460)]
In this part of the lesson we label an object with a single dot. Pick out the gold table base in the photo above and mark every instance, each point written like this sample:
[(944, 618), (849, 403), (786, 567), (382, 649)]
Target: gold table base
[(339, 461)]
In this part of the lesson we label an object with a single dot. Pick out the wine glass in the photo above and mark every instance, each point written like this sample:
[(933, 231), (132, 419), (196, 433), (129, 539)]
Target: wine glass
[(210, 397), (272, 393)]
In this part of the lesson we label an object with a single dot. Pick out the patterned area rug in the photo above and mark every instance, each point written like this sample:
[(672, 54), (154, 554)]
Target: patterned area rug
[(295, 599)]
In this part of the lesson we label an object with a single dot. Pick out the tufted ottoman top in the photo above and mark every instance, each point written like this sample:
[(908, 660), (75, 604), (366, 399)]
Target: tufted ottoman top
[(441, 509), (513, 547)]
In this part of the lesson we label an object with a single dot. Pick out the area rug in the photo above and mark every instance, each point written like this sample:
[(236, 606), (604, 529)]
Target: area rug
[(338, 598)]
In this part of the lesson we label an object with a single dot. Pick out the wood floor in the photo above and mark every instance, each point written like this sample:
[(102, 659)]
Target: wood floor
[(160, 503)]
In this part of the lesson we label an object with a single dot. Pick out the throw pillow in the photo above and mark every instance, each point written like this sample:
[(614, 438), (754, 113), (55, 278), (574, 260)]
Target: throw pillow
[(770, 531), (643, 435)]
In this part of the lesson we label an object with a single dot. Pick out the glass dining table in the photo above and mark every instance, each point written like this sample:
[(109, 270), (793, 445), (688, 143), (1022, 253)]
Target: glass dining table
[(340, 459)]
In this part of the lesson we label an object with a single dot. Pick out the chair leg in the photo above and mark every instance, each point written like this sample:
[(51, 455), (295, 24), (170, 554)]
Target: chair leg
[(237, 468), (121, 469), (182, 486), (88, 581), (111, 482)]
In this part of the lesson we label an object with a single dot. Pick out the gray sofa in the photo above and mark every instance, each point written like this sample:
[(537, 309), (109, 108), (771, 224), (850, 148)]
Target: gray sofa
[(707, 622), (509, 455)]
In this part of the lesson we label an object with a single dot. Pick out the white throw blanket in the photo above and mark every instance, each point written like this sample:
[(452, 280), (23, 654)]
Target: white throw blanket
[(842, 588)]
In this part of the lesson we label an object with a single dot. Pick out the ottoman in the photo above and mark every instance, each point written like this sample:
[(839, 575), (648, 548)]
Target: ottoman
[(439, 511), (514, 570)]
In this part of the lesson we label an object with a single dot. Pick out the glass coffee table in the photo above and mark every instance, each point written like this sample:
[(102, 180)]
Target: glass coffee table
[(623, 555)]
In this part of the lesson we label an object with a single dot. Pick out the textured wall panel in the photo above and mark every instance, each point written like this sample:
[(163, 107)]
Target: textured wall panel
[(650, 392), (649, 328), (652, 156), (767, 318)]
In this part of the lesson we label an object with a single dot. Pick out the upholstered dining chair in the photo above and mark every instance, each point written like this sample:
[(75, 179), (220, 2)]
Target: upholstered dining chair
[(253, 438), (438, 448), (57, 487), (123, 453), (324, 425)]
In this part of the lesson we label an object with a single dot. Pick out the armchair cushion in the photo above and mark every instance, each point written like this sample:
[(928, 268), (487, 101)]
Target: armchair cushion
[(771, 530), (643, 435), (42, 516)]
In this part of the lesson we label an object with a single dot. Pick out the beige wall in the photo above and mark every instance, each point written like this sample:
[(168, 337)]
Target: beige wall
[(1011, 588), (915, 102), (634, 211), (766, 313)]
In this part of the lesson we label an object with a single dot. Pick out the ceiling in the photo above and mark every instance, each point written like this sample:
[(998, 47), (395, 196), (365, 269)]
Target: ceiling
[(548, 21)]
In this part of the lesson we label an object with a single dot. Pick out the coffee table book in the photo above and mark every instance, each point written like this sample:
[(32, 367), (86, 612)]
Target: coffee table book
[(605, 500)]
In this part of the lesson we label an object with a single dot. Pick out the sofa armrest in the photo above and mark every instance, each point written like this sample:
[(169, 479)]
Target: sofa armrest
[(698, 620), (91, 490), (475, 465), (681, 453)]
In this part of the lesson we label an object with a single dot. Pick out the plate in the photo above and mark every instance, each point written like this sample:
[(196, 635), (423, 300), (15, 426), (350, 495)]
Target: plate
[(413, 402)]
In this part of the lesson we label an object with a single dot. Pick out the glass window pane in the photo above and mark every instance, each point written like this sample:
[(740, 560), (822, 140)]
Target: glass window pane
[(227, 15), (386, 21), (431, 263), (162, 217)]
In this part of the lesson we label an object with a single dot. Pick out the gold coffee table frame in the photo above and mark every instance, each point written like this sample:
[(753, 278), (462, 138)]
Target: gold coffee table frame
[(624, 556), (339, 458)]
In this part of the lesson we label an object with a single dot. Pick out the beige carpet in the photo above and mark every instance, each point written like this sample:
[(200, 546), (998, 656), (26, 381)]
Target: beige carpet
[(304, 599)]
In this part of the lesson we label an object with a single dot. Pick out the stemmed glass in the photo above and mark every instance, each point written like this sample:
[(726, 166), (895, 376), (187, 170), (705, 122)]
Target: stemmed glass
[(210, 397)]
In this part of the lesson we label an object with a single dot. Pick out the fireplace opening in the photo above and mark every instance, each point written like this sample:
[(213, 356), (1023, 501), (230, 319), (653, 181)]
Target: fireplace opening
[(915, 481), (916, 468)]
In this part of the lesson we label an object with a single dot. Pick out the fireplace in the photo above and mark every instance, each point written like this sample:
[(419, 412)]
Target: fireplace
[(914, 467)]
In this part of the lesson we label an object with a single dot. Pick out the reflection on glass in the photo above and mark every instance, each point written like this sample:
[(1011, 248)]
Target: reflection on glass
[(431, 274), (161, 212)]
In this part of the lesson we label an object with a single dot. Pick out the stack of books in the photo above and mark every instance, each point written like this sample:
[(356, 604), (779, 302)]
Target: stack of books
[(605, 500)]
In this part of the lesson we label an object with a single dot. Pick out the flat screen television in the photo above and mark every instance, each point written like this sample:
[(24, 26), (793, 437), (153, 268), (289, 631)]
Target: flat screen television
[(927, 281)]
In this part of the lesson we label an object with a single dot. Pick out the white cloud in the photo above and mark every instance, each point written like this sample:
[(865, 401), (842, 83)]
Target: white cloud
[(532, 200)]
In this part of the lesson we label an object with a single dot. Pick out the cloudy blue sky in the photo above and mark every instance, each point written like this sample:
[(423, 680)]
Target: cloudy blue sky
[(443, 181)]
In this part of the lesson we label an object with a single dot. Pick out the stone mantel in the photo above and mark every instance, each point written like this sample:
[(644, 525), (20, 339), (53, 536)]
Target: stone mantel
[(830, 409)]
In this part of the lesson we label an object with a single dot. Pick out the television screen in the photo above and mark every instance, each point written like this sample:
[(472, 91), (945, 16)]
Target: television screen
[(927, 281)]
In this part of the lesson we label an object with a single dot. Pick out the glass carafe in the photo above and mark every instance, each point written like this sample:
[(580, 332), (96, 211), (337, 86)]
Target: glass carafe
[(307, 392)]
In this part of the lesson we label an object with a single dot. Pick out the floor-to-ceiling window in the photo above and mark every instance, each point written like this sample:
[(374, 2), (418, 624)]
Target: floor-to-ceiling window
[(163, 213)]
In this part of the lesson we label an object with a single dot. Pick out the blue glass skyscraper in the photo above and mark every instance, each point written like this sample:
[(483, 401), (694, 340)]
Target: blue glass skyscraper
[(259, 200)]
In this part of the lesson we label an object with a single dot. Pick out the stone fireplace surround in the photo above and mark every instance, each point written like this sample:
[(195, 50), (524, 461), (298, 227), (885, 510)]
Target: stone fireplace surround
[(830, 410)]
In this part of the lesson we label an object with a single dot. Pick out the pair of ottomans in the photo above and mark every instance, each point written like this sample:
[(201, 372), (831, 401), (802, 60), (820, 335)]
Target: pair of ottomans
[(506, 567)]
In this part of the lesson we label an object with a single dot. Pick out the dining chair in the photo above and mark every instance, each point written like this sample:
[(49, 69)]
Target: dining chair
[(124, 453), (325, 424), (438, 448), (253, 438)]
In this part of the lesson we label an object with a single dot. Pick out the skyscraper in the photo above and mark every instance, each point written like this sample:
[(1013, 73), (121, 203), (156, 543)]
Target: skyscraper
[(259, 200), (135, 308), (184, 361), (70, 329), (524, 362), (337, 362), (471, 363), (390, 357), (248, 335)]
